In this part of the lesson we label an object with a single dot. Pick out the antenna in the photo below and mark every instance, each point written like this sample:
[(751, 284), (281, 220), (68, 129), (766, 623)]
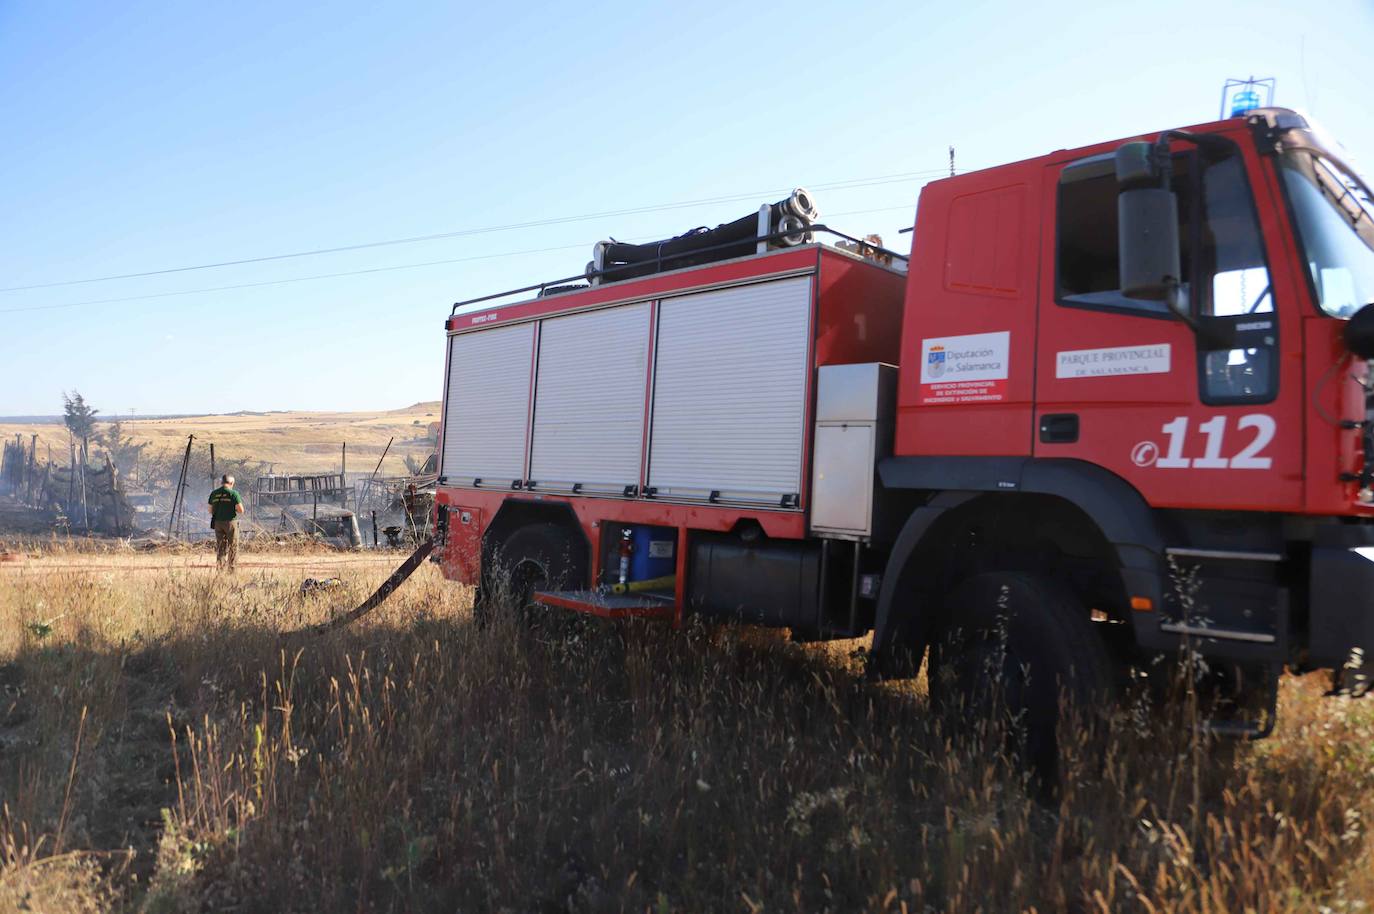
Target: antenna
[(951, 161)]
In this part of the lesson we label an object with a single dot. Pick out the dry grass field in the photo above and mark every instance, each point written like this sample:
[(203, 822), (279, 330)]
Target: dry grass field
[(166, 744), (296, 442)]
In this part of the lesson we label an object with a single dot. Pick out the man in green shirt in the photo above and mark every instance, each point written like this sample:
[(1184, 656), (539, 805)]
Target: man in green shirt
[(225, 507)]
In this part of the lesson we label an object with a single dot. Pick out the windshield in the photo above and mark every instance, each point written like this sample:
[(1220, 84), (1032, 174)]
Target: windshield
[(1335, 219)]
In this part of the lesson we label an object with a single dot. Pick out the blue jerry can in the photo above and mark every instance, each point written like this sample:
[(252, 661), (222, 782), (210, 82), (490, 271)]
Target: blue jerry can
[(655, 553)]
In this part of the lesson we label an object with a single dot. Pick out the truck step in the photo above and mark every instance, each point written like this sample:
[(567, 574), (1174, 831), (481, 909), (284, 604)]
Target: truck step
[(1222, 634), (1223, 554), (610, 605)]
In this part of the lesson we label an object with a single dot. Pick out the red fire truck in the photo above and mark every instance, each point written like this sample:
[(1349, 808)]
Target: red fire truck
[(1113, 407)]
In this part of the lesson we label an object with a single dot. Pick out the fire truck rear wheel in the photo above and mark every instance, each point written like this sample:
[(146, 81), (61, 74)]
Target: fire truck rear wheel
[(535, 557), (1013, 644)]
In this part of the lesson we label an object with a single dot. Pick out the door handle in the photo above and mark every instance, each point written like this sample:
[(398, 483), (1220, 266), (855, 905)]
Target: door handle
[(1059, 428)]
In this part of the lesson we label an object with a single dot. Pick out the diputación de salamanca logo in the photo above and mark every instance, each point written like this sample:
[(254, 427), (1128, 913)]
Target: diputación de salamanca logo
[(965, 369)]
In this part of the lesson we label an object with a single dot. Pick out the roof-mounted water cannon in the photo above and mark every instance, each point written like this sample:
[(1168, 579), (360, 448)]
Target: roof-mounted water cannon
[(786, 223)]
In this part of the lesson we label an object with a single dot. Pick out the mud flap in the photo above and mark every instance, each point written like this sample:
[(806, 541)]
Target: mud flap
[(1341, 616)]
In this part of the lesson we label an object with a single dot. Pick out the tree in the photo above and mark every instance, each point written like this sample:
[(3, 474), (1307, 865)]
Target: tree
[(78, 415), (160, 470), (124, 452)]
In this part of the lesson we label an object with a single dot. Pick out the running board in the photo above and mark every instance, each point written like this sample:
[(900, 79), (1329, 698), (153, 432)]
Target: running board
[(1222, 634), (610, 605), (1222, 554)]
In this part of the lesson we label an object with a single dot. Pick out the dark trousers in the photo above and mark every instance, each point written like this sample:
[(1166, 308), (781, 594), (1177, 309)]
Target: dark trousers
[(226, 543)]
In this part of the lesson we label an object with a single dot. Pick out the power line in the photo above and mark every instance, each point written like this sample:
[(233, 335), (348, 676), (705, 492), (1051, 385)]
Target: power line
[(402, 266), (278, 282), (850, 184)]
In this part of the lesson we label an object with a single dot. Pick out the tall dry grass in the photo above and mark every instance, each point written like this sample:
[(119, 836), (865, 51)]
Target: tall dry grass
[(164, 748)]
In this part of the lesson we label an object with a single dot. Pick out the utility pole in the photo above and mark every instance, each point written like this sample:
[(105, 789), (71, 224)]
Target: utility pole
[(33, 458), (71, 483), (85, 508), (179, 497)]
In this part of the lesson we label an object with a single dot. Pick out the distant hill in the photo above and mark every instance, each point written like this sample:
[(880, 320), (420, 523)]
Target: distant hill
[(294, 441)]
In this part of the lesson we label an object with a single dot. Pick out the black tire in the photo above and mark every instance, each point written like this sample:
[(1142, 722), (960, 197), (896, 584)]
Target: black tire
[(1014, 643), (535, 557)]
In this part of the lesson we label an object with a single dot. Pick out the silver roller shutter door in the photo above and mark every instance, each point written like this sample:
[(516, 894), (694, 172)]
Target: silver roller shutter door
[(488, 405), (730, 392), (589, 400)]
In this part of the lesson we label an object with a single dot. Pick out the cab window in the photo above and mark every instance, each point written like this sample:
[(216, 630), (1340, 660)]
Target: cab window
[(1225, 276)]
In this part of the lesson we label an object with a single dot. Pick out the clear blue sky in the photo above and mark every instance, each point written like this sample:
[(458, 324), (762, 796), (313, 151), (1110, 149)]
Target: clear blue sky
[(140, 136)]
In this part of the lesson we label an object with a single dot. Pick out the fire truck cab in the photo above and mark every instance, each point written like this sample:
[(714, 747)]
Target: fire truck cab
[(1114, 406)]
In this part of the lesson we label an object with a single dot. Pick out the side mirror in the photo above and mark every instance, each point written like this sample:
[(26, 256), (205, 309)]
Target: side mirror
[(1358, 334), (1147, 225)]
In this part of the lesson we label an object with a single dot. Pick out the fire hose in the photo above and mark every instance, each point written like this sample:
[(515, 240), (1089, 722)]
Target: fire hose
[(398, 577)]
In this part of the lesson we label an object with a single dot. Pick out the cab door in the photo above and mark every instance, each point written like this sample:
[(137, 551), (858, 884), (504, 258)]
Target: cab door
[(1192, 420)]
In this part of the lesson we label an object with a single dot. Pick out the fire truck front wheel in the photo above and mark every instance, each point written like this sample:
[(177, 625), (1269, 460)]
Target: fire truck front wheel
[(535, 557), (1012, 645)]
